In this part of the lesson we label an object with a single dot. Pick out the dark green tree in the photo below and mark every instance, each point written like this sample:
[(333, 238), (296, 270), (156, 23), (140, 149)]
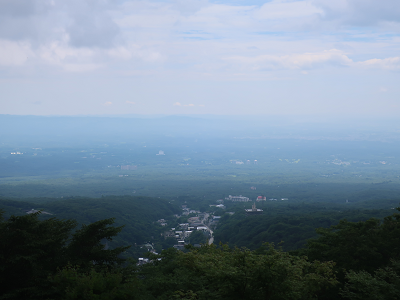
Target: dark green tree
[(357, 246), (70, 283), (213, 272), (32, 249), (197, 237), (359, 249), (352, 245), (266, 274), (383, 284), (86, 247)]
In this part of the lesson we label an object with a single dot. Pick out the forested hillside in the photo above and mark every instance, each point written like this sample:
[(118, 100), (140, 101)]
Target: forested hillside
[(292, 224), (138, 215)]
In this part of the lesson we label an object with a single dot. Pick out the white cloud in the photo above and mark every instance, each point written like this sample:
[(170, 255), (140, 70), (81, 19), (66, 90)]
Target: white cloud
[(275, 10), (80, 68), (182, 49), (186, 105), (310, 61), (14, 53), (70, 59), (120, 52), (158, 18), (189, 7), (108, 103), (195, 35), (143, 53), (293, 61), (391, 63)]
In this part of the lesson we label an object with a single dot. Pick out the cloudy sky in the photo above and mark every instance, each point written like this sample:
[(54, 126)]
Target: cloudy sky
[(279, 57)]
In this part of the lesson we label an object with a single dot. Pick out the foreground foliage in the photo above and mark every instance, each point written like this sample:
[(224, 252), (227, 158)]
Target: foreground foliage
[(32, 249), (357, 246), (136, 214), (223, 273), (47, 259), (384, 283), (71, 283)]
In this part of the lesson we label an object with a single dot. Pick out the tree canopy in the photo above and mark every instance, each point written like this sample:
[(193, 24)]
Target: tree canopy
[(32, 249)]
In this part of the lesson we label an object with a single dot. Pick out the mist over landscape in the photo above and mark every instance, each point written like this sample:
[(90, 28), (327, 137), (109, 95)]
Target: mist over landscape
[(199, 149), (205, 157)]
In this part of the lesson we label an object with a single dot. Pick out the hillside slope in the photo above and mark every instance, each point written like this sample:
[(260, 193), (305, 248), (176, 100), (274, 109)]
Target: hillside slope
[(138, 214)]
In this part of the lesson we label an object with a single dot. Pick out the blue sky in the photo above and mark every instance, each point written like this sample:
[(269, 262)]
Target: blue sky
[(279, 57)]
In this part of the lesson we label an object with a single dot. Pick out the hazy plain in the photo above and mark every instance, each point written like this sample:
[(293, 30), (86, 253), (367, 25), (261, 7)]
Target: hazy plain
[(205, 158)]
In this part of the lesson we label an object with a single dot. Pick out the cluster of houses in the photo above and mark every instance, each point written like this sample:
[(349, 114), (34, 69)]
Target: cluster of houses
[(241, 198), (143, 260), (247, 161), (128, 167), (186, 211), (220, 204), (213, 222), (183, 231), (162, 222), (253, 210)]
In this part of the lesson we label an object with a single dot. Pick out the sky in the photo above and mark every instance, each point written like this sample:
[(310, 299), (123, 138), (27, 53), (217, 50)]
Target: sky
[(227, 57)]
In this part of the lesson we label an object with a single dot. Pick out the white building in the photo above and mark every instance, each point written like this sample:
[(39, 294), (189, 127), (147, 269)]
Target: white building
[(239, 198), (204, 228), (253, 210)]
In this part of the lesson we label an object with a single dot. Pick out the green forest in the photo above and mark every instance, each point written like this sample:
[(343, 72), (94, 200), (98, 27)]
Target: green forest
[(53, 258), (137, 215), (291, 225)]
